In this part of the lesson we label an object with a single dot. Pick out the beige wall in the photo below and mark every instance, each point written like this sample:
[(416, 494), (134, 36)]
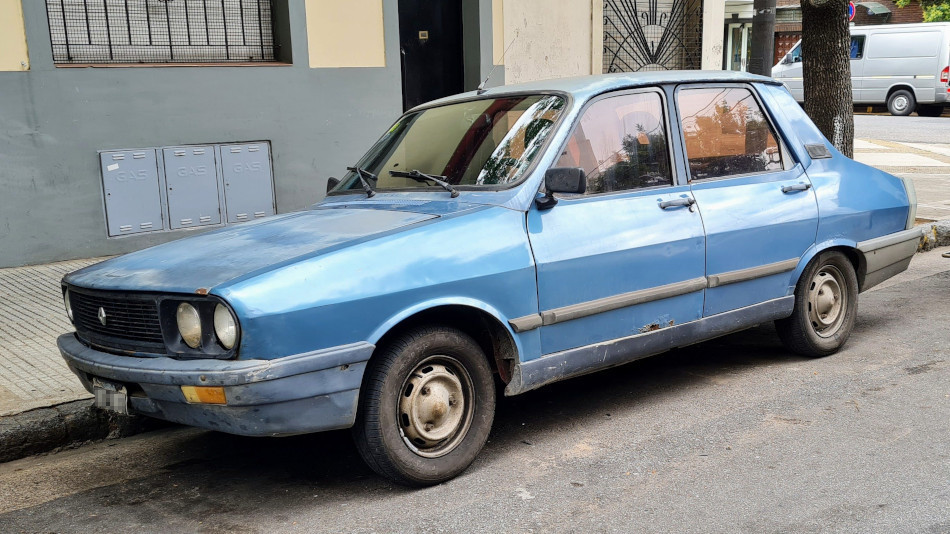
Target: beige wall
[(345, 33), (13, 53), (552, 39)]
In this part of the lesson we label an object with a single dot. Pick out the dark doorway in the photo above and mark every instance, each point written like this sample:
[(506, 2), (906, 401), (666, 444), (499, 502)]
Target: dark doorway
[(430, 45)]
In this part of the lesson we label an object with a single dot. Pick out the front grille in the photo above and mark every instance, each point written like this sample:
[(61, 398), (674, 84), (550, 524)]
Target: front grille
[(128, 318)]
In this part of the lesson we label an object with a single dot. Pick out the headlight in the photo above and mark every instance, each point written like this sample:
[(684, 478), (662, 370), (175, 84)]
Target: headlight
[(69, 307), (225, 327), (189, 324)]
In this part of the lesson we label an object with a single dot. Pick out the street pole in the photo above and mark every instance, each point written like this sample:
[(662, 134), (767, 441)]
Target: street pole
[(763, 37)]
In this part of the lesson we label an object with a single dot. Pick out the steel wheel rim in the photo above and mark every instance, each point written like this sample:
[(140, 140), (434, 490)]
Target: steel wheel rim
[(436, 407), (900, 103), (827, 301)]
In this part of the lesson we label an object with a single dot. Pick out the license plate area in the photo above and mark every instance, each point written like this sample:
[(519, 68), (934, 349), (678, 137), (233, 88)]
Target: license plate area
[(110, 396)]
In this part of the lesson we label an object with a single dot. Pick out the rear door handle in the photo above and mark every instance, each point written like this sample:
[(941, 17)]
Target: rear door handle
[(796, 187), (677, 202)]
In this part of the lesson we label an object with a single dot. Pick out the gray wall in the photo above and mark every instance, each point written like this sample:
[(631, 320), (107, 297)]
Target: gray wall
[(53, 120)]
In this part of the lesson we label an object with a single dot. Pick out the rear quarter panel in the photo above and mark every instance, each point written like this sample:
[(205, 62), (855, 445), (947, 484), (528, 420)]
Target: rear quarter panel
[(855, 202)]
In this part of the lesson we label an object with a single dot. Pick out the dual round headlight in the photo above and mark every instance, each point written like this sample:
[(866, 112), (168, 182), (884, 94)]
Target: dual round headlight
[(189, 325), (69, 306)]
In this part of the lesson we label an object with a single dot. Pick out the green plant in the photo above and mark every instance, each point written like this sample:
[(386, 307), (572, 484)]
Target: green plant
[(933, 10)]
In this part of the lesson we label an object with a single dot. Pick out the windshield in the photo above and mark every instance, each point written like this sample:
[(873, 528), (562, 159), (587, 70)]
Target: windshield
[(484, 142)]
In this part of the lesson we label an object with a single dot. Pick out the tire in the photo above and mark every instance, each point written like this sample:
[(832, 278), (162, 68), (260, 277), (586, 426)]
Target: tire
[(426, 407), (901, 103), (826, 304), (929, 110)]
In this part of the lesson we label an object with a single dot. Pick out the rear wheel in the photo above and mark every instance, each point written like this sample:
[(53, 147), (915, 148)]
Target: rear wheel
[(929, 110), (826, 304), (426, 408), (901, 103)]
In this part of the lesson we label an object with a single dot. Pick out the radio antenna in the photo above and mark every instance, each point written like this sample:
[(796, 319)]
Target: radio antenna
[(481, 87)]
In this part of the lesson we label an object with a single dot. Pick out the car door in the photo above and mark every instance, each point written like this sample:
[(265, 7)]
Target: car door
[(791, 74), (627, 256), (856, 54), (757, 205)]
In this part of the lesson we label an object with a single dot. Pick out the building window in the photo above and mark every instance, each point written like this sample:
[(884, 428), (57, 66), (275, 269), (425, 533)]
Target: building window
[(162, 31)]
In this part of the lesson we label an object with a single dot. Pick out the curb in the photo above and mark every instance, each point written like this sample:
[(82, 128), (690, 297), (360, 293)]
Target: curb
[(65, 425), (936, 234)]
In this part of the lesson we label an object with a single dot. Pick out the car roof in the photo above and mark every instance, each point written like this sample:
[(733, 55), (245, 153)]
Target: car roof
[(583, 87)]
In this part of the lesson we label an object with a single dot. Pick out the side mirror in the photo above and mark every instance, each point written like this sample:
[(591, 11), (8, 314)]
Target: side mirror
[(332, 182), (787, 59), (562, 180)]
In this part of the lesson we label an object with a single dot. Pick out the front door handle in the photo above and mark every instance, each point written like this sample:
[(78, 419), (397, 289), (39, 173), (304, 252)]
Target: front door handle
[(796, 187), (678, 202)]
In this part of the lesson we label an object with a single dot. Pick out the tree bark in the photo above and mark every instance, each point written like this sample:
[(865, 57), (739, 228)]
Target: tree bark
[(826, 69), (763, 37)]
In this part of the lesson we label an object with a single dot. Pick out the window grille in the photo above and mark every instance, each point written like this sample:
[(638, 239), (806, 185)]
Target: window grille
[(654, 35), (161, 31)]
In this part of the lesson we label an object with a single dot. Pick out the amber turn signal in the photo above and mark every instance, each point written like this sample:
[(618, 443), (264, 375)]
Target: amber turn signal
[(204, 394)]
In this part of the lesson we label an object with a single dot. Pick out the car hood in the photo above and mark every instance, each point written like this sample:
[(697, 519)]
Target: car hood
[(214, 258)]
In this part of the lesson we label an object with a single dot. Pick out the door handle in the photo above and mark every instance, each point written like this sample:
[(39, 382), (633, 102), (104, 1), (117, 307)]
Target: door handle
[(677, 202), (796, 187)]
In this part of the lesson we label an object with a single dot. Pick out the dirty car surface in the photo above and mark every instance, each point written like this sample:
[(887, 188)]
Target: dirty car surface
[(530, 233)]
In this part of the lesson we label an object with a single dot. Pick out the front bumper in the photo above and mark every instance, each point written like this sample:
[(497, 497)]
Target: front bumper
[(297, 394), (888, 255)]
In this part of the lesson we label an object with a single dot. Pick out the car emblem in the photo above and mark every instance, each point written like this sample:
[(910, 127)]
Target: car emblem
[(102, 316)]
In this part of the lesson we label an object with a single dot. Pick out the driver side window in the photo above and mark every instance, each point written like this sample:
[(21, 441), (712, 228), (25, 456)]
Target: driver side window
[(621, 143)]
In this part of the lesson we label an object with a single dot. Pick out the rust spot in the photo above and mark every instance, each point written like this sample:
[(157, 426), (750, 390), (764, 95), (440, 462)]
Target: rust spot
[(202, 291), (672, 322), (650, 328)]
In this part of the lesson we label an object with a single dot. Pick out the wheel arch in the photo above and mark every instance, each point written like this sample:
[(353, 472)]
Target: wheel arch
[(480, 321), (897, 87), (846, 247)]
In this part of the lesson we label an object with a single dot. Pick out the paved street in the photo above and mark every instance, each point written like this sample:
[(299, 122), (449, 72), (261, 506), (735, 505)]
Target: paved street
[(734, 435)]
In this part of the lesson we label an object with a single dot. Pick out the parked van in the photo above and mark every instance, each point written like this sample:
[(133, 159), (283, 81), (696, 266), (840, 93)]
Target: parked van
[(906, 66)]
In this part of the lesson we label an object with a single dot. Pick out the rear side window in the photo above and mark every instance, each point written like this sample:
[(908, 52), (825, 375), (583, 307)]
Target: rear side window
[(621, 143), (857, 47), (726, 133)]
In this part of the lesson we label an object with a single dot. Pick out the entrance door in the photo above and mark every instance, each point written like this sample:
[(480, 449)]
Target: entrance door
[(430, 46), (739, 47)]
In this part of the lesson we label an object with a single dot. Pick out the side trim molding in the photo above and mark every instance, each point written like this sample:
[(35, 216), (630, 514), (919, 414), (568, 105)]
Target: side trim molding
[(742, 275), (583, 360), (593, 307), (888, 255), (523, 324)]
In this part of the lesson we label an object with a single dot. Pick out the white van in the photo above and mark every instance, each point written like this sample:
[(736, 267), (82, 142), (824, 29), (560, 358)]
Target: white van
[(906, 66)]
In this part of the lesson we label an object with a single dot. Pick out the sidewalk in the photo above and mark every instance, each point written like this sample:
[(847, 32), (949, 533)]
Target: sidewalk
[(34, 378)]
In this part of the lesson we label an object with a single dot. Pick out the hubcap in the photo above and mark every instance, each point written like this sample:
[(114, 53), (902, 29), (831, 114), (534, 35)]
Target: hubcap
[(827, 301), (435, 408), (900, 103)]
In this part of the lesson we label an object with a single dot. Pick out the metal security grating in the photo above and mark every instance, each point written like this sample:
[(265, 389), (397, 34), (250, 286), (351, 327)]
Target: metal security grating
[(161, 31), (125, 318), (652, 35)]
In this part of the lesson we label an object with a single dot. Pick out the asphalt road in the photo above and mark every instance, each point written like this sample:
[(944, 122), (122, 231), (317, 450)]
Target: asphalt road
[(910, 129), (733, 435)]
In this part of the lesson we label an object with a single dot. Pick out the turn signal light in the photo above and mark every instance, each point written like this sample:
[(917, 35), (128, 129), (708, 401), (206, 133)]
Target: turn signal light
[(204, 394)]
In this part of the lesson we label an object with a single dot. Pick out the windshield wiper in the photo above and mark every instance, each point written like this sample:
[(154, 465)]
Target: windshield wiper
[(366, 187), (423, 177)]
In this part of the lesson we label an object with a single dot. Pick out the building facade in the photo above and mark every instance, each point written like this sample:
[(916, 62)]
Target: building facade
[(127, 123)]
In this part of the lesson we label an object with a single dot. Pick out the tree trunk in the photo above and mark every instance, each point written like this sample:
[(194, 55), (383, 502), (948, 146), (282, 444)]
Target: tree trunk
[(763, 37), (826, 69)]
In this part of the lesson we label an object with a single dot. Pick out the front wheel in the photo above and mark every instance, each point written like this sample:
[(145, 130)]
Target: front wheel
[(826, 304), (426, 408)]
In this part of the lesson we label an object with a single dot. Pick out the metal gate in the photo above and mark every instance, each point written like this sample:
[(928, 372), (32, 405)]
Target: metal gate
[(652, 35)]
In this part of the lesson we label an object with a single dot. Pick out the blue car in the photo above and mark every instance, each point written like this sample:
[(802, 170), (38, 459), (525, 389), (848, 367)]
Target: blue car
[(505, 238)]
